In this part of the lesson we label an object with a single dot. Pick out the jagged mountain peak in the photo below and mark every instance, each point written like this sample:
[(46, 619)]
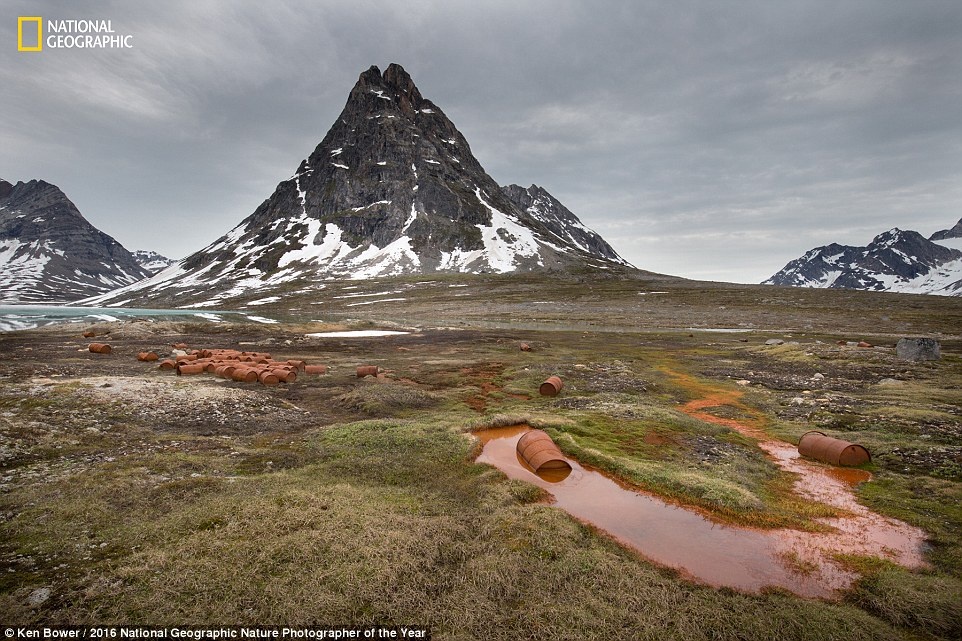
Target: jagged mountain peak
[(394, 84), (393, 188)]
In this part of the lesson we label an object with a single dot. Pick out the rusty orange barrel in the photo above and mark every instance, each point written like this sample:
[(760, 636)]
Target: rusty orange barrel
[(366, 370), (99, 348), (179, 345), (268, 377), (315, 369), (168, 364), (147, 357), (525, 347), (90, 333), (286, 376), (244, 375), (296, 363), (835, 451), (190, 368), (551, 387), (540, 453)]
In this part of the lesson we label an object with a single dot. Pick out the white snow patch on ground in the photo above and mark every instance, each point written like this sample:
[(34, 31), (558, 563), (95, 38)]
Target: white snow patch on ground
[(328, 249), (396, 258), (337, 151), (411, 218), (501, 253), (936, 281), (951, 243), (214, 318), (357, 333), (397, 291), (377, 202), (261, 319), (372, 302), (340, 166), (264, 301), (459, 259)]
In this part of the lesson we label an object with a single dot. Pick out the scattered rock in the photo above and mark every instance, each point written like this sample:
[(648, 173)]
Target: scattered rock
[(864, 344), (818, 376), (774, 341), (39, 597), (743, 382), (891, 381), (918, 349)]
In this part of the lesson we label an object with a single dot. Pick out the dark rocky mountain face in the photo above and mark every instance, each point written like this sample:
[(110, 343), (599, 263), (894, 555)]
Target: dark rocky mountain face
[(898, 261), (947, 234), (50, 253), (393, 188)]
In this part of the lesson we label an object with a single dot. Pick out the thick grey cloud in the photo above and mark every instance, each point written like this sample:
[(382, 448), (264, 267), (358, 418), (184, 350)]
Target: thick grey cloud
[(705, 139)]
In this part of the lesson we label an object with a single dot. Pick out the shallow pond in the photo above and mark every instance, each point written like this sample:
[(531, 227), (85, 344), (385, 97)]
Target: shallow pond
[(714, 553)]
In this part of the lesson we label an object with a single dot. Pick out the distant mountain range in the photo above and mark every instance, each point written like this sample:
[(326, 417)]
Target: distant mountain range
[(152, 261), (393, 188), (49, 253), (895, 261)]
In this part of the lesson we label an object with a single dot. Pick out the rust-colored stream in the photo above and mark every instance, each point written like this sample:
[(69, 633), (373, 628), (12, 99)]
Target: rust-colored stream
[(719, 554)]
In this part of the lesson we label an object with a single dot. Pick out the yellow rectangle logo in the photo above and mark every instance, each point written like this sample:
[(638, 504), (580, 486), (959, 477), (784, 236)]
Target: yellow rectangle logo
[(28, 20)]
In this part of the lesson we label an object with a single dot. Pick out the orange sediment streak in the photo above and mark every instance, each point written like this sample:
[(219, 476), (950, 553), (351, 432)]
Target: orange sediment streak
[(719, 554)]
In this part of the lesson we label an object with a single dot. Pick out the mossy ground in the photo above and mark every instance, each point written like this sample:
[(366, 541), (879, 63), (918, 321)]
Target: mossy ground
[(346, 500)]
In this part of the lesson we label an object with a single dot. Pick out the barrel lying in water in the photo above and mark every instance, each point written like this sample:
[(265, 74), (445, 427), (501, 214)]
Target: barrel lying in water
[(540, 453), (824, 448)]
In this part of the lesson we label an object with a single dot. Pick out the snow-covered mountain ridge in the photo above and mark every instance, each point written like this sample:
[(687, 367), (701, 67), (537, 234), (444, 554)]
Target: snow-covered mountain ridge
[(49, 253), (895, 261)]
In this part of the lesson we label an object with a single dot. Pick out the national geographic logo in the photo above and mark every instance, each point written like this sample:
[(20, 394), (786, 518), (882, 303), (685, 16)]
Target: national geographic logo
[(30, 33), (69, 34)]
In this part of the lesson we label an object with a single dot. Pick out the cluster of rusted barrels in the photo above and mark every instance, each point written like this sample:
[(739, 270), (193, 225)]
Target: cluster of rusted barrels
[(245, 367)]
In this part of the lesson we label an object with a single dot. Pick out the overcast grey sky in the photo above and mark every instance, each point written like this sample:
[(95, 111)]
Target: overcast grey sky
[(712, 140)]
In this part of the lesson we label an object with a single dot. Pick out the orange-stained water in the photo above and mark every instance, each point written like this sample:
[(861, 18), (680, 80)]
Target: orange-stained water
[(717, 554)]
